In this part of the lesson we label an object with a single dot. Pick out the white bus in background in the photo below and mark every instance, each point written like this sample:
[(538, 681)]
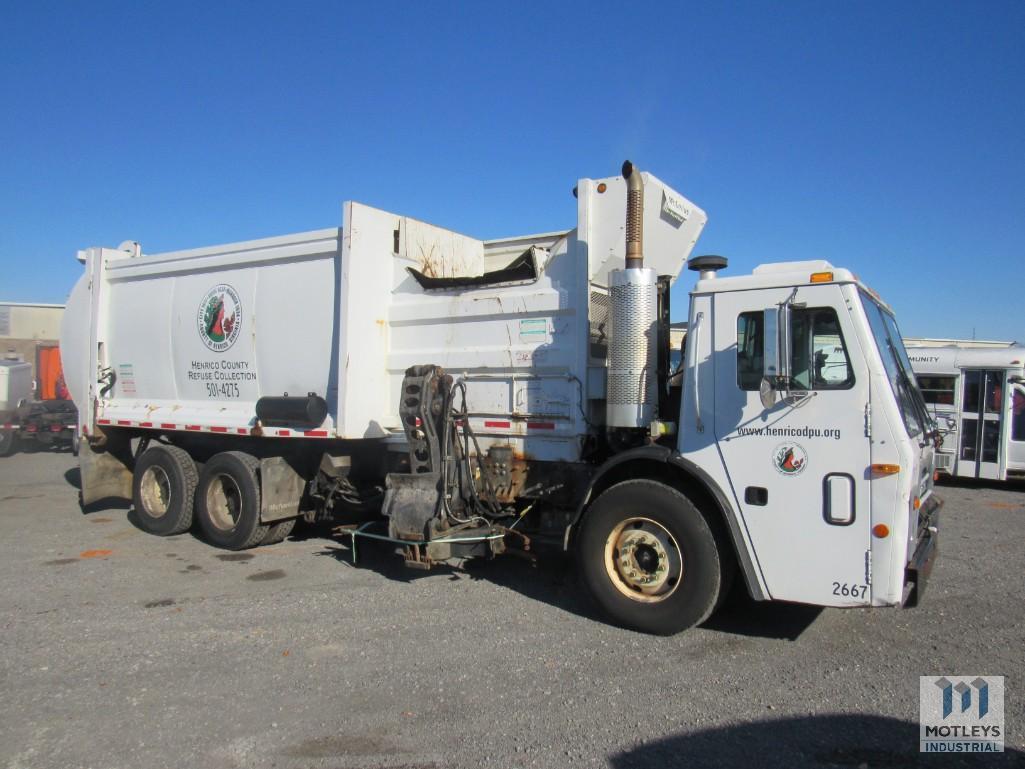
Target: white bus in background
[(976, 394)]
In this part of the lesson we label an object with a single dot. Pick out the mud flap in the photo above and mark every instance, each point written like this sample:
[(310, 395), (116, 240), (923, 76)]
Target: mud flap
[(281, 490), (106, 474)]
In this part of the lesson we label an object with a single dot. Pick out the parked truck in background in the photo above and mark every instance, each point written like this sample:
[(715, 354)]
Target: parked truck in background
[(469, 398), (35, 411), (975, 392)]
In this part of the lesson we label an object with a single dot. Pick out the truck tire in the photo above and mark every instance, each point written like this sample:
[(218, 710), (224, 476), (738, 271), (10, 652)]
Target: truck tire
[(649, 558), (76, 443), (278, 531), (164, 490), (228, 501), (8, 442)]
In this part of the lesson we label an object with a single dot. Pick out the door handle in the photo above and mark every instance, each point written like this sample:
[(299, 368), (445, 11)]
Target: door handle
[(838, 499)]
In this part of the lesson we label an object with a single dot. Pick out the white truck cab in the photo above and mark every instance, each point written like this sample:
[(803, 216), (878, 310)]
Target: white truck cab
[(799, 400)]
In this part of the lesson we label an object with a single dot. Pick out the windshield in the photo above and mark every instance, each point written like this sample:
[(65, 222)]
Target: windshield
[(898, 367)]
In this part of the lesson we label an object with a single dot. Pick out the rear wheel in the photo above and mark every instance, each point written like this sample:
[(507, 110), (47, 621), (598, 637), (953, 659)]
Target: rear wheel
[(278, 532), (163, 490), (8, 441), (228, 501), (649, 558)]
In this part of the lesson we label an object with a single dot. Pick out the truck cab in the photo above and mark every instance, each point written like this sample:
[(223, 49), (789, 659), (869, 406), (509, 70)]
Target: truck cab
[(799, 393)]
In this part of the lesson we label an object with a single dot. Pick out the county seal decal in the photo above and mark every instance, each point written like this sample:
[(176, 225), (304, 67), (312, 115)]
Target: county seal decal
[(790, 458), (220, 317)]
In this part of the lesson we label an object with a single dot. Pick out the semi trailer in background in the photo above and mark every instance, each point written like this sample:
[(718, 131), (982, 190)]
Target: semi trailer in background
[(466, 398), (976, 395)]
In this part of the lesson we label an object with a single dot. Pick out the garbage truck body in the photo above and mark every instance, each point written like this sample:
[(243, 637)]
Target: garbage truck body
[(467, 398)]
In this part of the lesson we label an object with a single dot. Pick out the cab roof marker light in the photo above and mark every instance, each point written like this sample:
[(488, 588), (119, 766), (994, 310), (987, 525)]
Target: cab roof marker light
[(821, 277)]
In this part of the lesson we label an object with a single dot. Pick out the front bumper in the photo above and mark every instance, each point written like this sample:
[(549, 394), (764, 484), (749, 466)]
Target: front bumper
[(919, 568)]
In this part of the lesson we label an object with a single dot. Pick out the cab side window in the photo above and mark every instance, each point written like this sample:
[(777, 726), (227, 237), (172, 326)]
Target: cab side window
[(819, 359), (749, 350)]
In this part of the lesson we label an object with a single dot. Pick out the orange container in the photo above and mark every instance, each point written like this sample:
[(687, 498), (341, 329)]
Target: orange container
[(49, 374)]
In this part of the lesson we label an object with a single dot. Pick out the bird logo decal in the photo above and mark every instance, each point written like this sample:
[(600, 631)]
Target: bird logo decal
[(220, 315), (790, 458)]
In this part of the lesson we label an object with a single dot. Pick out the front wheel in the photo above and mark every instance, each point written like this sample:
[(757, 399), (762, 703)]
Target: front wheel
[(649, 558)]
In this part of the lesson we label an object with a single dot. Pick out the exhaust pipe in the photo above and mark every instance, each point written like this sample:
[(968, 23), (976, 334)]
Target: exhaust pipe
[(634, 216)]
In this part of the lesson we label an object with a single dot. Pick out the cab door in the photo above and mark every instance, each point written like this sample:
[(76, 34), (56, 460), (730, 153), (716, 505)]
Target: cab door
[(798, 468), (981, 453)]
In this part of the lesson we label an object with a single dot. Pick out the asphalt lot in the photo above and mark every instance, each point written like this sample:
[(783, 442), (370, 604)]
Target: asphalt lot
[(127, 650)]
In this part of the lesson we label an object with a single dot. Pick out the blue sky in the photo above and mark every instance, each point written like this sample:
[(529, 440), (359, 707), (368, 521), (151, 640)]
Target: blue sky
[(885, 137)]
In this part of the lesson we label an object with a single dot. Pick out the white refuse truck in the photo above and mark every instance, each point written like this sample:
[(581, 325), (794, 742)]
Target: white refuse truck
[(470, 398), (976, 395)]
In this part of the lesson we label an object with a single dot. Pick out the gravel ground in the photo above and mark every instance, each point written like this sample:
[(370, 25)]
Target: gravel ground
[(126, 650)]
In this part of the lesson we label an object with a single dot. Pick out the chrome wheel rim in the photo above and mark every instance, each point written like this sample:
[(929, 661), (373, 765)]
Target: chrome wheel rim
[(224, 502), (643, 560), (155, 491)]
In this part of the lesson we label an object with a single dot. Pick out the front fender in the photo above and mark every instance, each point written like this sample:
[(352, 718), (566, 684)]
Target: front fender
[(668, 465)]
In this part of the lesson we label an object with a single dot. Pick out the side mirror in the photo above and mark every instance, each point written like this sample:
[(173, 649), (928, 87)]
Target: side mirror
[(776, 346), (770, 358), (767, 393), (775, 354), (770, 345)]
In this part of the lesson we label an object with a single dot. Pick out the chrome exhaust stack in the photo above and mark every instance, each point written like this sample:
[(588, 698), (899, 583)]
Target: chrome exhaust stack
[(632, 393)]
